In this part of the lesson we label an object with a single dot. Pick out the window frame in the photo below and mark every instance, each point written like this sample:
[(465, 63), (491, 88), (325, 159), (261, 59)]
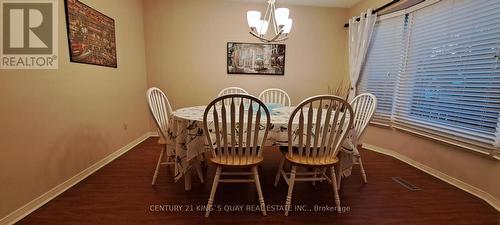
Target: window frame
[(442, 136)]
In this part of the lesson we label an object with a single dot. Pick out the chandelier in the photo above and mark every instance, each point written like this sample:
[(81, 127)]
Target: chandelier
[(277, 17)]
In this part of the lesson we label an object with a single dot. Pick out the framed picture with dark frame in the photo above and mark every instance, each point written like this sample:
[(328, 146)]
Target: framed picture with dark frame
[(255, 58), (91, 35)]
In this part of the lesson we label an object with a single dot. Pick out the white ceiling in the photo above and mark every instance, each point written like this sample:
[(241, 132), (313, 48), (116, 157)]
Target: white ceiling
[(324, 3)]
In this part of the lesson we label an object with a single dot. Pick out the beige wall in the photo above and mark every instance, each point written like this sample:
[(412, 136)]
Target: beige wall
[(471, 168), (186, 49), (468, 167), (55, 123)]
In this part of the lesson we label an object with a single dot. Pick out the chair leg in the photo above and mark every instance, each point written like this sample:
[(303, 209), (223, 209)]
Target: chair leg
[(212, 193), (290, 190), (339, 181), (314, 176), (362, 170), (338, 174), (155, 175), (278, 174), (259, 190), (323, 173), (199, 171), (335, 189), (187, 180)]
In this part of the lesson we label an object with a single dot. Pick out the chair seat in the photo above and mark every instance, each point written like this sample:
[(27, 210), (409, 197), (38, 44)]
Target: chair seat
[(237, 161), (303, 161)]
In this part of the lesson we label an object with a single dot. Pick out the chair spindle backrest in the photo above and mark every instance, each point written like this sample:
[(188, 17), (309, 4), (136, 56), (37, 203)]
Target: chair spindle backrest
[(160, 109), (240, 123), (275, 95), (364, 106), (320, 124), (232, 90)]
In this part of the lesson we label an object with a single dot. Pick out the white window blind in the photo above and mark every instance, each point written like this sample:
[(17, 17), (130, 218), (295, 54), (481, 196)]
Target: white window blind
[(383, 64), (451, 80), (449, 73)]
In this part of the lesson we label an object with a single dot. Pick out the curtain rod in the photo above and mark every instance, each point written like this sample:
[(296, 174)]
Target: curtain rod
[(377, 9)]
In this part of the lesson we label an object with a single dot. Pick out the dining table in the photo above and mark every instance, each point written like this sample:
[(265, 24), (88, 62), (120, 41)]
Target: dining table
[(186, 141)]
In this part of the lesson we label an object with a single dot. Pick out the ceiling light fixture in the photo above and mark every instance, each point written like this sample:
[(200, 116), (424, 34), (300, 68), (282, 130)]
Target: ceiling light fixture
[(279, 19)]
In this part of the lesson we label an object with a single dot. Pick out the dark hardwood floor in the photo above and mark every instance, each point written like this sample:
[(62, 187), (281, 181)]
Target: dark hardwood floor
[(121, 193)]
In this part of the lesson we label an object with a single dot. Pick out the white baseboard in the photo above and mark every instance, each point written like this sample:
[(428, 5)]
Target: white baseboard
[(59, 189), (436, 173)]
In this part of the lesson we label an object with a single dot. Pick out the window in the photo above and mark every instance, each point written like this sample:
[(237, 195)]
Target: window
[(383, 64), (449, 77)]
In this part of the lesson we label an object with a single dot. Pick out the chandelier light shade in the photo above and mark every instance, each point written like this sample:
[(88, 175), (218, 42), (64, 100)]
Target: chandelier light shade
[(278, 18), (253, 17), (281, 15)]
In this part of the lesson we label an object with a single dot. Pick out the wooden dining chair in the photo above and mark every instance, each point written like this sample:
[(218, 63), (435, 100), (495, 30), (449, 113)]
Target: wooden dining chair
[(364, 106), (232, 90), (319, 131), (160, 109), (276, 96), (240, 123)]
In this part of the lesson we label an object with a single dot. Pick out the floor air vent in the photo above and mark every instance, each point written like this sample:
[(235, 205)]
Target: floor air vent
[(406, 184)]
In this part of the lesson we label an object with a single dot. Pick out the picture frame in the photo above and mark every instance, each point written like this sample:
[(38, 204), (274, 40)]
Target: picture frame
[(91, 35), (255, 58)]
